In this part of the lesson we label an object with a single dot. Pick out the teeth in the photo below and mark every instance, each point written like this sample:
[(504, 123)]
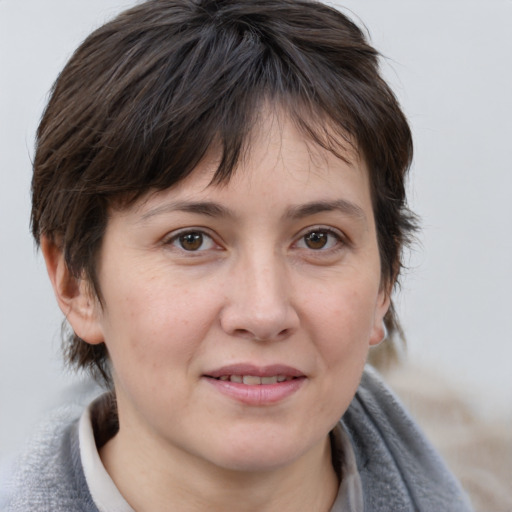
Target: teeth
[(253, 380)]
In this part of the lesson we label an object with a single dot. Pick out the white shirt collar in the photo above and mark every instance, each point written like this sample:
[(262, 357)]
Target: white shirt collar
[(104, 492)]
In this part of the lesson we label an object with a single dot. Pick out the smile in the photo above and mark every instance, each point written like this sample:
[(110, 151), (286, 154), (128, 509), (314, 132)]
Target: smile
[(254, 380), (255, 385)]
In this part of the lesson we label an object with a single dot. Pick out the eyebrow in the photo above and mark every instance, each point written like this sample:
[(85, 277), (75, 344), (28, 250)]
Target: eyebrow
[(212, 209), (341, 205), (208, 208)]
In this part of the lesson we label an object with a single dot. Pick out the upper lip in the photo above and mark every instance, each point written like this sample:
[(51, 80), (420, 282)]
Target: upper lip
[(257, 371)]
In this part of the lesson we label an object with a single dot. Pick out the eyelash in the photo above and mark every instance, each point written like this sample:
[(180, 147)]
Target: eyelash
[(176, 240)]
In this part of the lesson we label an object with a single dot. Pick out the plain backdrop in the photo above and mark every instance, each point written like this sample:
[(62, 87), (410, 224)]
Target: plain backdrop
[(449, 62)]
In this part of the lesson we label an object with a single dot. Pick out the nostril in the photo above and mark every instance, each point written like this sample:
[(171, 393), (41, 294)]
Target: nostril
[(284, 333), (244, 333)]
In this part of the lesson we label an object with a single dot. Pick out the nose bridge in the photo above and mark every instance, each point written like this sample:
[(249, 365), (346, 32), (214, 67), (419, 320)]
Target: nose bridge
[(265, 280), (259, 304)]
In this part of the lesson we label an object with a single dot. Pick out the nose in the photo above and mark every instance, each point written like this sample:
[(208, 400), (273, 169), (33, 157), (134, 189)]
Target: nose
[(259, 305)]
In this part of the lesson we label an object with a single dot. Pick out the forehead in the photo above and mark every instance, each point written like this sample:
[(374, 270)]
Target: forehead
[(280, 172)]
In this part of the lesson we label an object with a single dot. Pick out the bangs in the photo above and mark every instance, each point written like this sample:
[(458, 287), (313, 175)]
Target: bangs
[(203, 88)]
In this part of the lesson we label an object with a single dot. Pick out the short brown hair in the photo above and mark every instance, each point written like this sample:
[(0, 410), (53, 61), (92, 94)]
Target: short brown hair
[(145, 96)]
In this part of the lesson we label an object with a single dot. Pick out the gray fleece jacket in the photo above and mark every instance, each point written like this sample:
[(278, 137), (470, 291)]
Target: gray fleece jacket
[(399, 470)]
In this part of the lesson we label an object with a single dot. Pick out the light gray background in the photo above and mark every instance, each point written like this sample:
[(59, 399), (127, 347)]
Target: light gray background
[(449, 61)]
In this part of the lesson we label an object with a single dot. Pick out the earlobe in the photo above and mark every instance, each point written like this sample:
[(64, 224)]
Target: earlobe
[(73, 295), (379, 331)]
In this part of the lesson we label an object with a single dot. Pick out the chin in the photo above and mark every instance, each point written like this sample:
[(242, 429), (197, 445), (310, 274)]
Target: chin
[(255, 462), (257, 454)]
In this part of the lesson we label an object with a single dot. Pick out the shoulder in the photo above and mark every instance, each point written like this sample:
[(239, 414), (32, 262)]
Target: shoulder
[(48, 475), (399, 468)]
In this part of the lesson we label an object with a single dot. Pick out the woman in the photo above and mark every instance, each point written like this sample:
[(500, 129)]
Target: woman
[(218, 193)]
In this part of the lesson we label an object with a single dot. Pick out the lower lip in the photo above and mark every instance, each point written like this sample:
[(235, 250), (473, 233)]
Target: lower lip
[(262, 394)]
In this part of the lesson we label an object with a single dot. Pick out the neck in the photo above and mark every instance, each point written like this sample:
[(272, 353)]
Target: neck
[(152, 477)]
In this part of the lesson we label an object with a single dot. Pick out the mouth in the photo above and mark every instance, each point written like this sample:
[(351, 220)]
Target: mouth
[(257, 385), (251, 375), (254, 380)]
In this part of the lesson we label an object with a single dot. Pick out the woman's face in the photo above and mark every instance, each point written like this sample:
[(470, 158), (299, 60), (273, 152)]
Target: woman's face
[(238, 317)]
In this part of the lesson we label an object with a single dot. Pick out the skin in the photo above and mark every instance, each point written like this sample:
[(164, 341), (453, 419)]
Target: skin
[(258, 288)]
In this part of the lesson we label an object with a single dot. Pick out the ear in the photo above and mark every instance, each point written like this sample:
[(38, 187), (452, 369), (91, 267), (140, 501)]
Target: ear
[(379, 332), (74, 296)]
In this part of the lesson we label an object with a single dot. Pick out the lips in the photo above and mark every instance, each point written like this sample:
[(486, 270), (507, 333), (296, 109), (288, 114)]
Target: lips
[(254, 375), (254, 380), (256, 386)]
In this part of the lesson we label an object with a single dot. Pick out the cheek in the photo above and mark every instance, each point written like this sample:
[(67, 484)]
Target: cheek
[(341, 319), (152, 325)]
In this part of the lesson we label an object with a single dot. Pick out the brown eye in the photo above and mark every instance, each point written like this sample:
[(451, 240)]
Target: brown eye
[(320, 239), (316, 239), (191, 241)]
